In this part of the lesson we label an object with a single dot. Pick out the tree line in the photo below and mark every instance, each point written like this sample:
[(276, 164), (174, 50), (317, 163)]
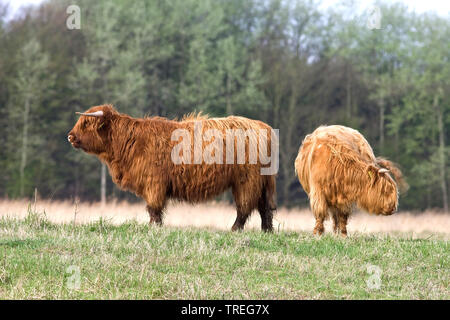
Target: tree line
[(292, 64)]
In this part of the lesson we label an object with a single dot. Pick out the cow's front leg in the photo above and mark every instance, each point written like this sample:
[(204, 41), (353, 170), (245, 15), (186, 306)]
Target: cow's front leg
[(335, 216), (156, 201), (155, 215), (343, 218)]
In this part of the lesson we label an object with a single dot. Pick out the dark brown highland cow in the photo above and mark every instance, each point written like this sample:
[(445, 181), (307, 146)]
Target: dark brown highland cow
[(139, 154), (337, 169)]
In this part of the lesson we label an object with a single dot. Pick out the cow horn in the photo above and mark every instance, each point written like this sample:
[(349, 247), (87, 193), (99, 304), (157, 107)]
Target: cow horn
[(383, 170), (93, 114)]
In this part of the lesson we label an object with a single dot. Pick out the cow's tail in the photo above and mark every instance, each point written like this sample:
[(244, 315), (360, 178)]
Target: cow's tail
[(396, 173), (303, 168)]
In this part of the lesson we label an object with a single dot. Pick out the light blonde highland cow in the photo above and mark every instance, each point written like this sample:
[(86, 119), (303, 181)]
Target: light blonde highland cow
[(338, 170)]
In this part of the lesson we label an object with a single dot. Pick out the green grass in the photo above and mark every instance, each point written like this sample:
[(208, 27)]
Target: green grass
[(134, 261)]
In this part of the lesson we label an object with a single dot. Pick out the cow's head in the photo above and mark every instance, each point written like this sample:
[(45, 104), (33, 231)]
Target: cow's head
[(91, 132), (380, 196)]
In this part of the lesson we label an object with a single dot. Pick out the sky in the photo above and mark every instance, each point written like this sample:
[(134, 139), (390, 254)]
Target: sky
[(441, 7)]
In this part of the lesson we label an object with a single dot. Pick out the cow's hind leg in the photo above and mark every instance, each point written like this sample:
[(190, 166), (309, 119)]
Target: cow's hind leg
[(241, 219), (267, 204), (266, 215), (319, 228), (246, 199), (320, 209)]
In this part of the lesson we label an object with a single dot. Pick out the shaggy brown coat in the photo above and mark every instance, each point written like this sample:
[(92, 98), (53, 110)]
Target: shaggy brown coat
[(138, 155), (337, 169)]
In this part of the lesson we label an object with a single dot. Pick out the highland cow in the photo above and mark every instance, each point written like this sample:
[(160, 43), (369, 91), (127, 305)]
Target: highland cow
[(144, 156), (338, 170)]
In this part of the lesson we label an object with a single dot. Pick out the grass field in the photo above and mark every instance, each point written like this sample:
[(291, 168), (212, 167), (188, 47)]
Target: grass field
[(43, 256)]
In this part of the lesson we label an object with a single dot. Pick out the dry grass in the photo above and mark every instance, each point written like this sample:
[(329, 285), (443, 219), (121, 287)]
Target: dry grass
[(219, 216)]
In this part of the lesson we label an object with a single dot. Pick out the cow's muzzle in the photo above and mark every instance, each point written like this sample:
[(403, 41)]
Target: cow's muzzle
[(74, 141)]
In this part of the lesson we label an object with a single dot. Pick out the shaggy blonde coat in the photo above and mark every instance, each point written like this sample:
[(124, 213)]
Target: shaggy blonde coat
[(338, 169)]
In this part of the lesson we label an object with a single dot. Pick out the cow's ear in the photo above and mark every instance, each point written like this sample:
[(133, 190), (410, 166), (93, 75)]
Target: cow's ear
[(372, 172), (105, 120), (107, 115)]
